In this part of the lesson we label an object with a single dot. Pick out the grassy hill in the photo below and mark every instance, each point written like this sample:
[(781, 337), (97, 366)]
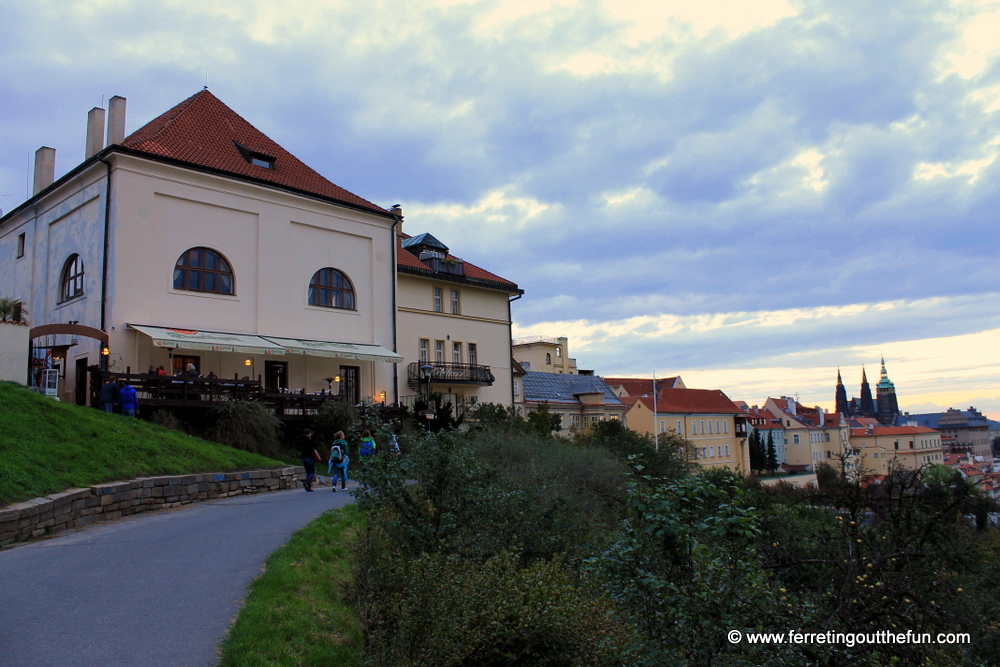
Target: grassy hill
[(47, 446)]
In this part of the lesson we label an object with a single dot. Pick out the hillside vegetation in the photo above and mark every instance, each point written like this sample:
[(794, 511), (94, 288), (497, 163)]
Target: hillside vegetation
[(47, 446)]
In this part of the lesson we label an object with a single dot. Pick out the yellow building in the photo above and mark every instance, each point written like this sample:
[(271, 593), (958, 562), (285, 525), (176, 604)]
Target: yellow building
[(906, 447), (811, 435), (705, 417), (544, 355)]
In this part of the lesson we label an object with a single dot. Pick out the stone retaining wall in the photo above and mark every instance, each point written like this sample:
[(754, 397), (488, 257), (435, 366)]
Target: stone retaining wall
[(78, 507)]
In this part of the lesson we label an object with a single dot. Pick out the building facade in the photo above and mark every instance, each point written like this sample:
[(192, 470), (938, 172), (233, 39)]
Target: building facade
[(198, 242), (453, 326)]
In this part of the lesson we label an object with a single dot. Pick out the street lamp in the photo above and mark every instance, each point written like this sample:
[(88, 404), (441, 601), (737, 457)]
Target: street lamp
[(426, 373), (250, 361)]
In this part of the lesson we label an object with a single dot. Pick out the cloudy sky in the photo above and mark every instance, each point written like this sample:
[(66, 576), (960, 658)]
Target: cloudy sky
[(746, 194)]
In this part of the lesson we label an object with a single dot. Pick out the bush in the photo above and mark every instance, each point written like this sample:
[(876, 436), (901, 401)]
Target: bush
[(448, 610), (668, 458), (246, 425), (333, 416)]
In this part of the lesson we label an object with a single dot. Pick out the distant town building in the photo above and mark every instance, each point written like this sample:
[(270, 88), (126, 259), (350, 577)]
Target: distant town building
[(581, 400), (961, 431), (545, 355), (811, 435), (906, 447)]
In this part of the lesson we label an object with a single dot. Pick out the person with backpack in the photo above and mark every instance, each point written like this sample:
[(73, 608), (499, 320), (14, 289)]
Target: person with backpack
[(338, 461)]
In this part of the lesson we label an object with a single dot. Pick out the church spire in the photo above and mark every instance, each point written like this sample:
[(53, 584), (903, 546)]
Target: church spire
[(842, 406), (867, 407)]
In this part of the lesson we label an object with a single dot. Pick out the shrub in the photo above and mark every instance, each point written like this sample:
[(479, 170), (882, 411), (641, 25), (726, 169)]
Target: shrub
[(246, 425), (668, 458), (448, 610), (333, 416)]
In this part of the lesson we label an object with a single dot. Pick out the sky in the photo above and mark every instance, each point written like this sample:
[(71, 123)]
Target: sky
[(749, 195)]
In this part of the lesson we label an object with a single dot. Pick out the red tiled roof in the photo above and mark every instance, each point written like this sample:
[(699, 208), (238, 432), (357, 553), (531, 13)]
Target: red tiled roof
[(677, 401), (202, 130), (407, 258), (640, 386)]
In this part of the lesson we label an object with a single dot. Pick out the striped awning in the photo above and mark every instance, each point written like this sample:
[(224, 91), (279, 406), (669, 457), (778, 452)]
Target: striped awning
[(322, 348), (218, 341)]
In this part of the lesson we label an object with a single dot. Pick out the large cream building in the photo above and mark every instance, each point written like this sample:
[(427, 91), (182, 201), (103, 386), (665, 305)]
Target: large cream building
[(199, 240)]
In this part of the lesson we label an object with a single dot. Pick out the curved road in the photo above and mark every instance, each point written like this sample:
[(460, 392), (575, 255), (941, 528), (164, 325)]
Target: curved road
[(156, 589)]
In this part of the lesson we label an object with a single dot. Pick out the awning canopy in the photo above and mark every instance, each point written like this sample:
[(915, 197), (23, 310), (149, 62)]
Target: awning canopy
[(208, 340), (321, 348)]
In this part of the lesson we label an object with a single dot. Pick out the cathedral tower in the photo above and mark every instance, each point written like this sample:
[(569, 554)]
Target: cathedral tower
[(885, 392)]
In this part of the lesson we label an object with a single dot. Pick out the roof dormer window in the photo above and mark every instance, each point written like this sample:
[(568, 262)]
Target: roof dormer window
[(255, 158)]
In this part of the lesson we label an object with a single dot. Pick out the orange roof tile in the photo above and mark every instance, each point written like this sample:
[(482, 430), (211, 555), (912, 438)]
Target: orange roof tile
[(405, 258), (683, 401), (204, 132)]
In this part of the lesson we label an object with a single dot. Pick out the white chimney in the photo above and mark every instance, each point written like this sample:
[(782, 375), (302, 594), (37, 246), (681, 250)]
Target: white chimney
[(45, 169), (116, 120), (95, 132)]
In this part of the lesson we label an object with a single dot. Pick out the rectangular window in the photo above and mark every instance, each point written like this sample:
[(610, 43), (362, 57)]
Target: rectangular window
[(704, 452), (663, 426), (454, 302), (694, 427), (827, 437), (725, 427), (473, 354), (717, 426), (727, 450), (680, 427), (439, 351), (20, 245), (703, 427), (437, 300), (711, 451), (424, 350), (795, 439), (575, 420), (517, 387), (456, 352)]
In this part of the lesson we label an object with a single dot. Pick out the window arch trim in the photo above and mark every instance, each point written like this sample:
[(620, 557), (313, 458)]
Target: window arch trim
[(332, 288), (206, 270)]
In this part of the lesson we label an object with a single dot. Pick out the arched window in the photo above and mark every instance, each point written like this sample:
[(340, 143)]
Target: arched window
[(331, 289), (203, 270), (548, 357), (72, 278)]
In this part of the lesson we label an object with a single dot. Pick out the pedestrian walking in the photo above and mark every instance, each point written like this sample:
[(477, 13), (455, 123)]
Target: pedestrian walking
[(129, 401), (109, 394), (339, 460), (367, 449), (308, 456)]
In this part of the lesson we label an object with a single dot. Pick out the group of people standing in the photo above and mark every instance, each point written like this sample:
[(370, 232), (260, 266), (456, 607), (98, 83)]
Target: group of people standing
[(125, 396), (338, 460)]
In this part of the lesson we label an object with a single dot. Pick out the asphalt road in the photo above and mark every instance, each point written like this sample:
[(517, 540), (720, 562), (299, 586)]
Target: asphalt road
[(157, 589)]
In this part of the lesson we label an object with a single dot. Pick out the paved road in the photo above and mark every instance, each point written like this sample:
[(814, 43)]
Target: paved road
[(157, 589)]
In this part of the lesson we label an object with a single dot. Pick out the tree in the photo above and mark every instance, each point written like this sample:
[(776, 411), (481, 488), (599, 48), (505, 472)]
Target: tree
[(772, 453), (543, 422)]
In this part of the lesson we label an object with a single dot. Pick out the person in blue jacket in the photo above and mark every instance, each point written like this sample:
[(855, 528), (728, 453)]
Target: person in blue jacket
[(129, 401)]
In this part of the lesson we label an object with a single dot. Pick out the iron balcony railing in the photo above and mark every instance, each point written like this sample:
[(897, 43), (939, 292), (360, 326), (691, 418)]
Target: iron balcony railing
[(445, 373)]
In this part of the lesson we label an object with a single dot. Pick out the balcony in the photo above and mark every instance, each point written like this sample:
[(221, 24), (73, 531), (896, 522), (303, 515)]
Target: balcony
[(444, 373)]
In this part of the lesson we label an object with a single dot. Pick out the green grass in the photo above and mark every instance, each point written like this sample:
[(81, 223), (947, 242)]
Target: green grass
[(47, 447), (295, 614)]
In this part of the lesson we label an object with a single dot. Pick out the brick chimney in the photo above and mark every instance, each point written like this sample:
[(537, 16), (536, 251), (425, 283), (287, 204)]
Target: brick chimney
[(45, 169), (95, 132), (116, 120)]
